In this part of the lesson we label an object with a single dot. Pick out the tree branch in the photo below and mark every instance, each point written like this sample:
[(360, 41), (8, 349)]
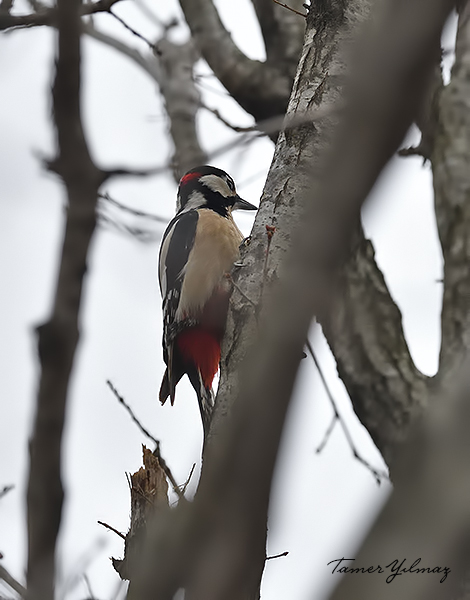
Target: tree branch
[(50, 16), (12, 582), (132, 211), (451, 187), (148, 64), (182, 102), (6, 6), (172, 70), (57, 339), (261, 89), (4, 491), (424, 518), (156, 452), (378, 474), (363, 327), (283, 33)]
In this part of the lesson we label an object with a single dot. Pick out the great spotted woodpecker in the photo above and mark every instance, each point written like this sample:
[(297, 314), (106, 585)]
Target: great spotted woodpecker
[(199, 248)]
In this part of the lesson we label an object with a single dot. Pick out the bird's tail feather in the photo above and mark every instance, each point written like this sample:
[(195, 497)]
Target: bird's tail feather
[(168, 386), (205, 398)]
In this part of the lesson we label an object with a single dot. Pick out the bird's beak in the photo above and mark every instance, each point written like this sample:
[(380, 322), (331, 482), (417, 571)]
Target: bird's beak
[(241, 204)]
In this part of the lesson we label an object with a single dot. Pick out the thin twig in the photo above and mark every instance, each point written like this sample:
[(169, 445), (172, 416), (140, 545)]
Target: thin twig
[(378, 474), (12, 582), (88, 585), (185, 485), (263, 128), (142, 235), (132, 414), (151, 16), (59, 336), (168, 473), (198, 80), (132, 211), (5, 490), (236, 128), (156, 452), (291, 9), (121, 535), (49, 15), (126, 172), (133, 31), (277, 555), (327, 435)]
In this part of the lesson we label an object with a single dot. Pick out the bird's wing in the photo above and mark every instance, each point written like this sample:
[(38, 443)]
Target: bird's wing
[(177, 243)]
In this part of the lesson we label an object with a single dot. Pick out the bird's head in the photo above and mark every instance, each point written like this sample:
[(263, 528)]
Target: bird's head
[(212, 188)]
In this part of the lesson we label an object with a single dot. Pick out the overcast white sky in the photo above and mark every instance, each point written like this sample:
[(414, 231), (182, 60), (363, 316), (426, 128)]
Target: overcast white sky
[(321, 503)]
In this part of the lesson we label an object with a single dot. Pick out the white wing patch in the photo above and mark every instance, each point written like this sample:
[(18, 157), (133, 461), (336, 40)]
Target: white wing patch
[(162, 265)]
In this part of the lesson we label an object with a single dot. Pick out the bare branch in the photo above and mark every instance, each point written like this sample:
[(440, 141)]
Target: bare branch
[(151, 16), (283, 33), (297, 12), (424, 506), (451, 186), (149, 499), (364, 329), (182, 102), (172, 70), (235, 128), (88, 586), (12, 582), (148, 64), (138, 233), (131, 413), (328, 432), (57, 339), (133, 31), (277, 555), (121, 535), (5, 490), (186, 483), (156, 452), (49, 16), (261, 89), (378, 474), (132, 211)]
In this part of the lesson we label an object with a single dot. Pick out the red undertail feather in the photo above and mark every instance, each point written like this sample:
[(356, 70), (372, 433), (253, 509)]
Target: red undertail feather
[(202, 348)]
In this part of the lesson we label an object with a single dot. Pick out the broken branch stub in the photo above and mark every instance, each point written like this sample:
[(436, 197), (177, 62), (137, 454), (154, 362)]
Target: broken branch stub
[(149, 496)]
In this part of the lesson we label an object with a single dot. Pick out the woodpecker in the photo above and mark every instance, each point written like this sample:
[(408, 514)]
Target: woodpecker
[(198, 250)]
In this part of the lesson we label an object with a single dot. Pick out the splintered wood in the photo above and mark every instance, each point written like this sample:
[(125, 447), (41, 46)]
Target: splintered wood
[(149, 496)]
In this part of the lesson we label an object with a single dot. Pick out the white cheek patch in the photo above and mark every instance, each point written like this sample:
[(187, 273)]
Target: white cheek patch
[(217, 184)]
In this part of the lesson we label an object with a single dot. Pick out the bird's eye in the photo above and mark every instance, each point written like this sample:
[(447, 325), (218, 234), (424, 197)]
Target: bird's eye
[(230, 184)]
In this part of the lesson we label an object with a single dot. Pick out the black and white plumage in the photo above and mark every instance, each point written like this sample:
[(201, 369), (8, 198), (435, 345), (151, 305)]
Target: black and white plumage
[(198, 249)]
